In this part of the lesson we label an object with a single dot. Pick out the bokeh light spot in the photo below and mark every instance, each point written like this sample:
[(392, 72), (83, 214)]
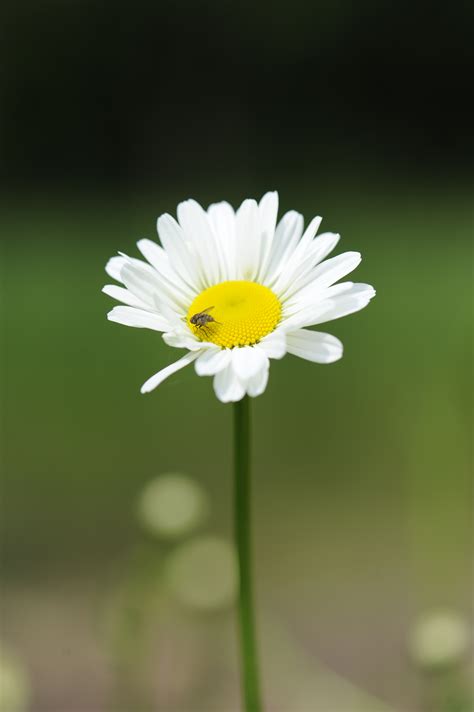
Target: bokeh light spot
[(172, 505), (14, 685), (439, 638), (202, 573)]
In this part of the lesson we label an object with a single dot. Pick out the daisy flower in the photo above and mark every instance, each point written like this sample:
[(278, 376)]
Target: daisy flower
[(237, 289)]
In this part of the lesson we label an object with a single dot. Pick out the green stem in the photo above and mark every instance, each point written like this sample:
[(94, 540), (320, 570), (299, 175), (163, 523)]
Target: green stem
[(243, 537)]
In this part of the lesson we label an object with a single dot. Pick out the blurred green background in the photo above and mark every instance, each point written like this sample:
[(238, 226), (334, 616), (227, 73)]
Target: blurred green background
[(362, 469)]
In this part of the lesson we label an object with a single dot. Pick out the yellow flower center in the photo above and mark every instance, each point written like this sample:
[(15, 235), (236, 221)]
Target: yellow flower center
[(236, 313)]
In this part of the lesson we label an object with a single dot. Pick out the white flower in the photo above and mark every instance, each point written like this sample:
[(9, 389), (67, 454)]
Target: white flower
[(236, 289)]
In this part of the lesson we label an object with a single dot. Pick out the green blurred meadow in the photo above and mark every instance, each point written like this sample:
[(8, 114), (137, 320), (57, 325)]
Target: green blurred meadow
[(363, 496)]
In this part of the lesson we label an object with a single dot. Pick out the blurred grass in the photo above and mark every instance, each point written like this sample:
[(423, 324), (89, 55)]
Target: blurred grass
[(386, 427)]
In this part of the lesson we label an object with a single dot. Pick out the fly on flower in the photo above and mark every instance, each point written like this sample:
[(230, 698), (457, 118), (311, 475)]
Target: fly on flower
[(203, 318), (266, 282)]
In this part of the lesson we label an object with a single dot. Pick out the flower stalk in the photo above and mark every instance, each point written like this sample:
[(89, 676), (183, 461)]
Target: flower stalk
[(243, 538)]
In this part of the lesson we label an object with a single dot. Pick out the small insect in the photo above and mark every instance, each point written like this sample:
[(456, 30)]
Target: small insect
[(202, 318)]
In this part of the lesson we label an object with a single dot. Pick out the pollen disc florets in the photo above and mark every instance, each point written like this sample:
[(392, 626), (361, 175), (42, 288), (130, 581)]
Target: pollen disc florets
[(242, 312)]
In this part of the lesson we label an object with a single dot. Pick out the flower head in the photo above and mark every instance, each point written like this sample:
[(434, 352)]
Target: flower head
[(236, 289)]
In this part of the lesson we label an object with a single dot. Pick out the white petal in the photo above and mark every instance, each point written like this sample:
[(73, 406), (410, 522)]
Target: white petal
[(174, 317), (318, 306), (303, 272), (257, 384), (311, 298), (114, 267), (182, 339), (304, 317), (198, 233), (298, 255), (317, 280), (181, 260), (336, 289), (324, 244), (212, 361), (248, 240), (314, 346), (124, 296), (287, 234), (227, 387), (268, 211), (335, 268), (349, 302), (129, 316), (274, 344), (310, 232), (159, 260), (154, 253), (139, 281), (143, 281), (222, 219), (248, 361), (299, 269), (159, 377)]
